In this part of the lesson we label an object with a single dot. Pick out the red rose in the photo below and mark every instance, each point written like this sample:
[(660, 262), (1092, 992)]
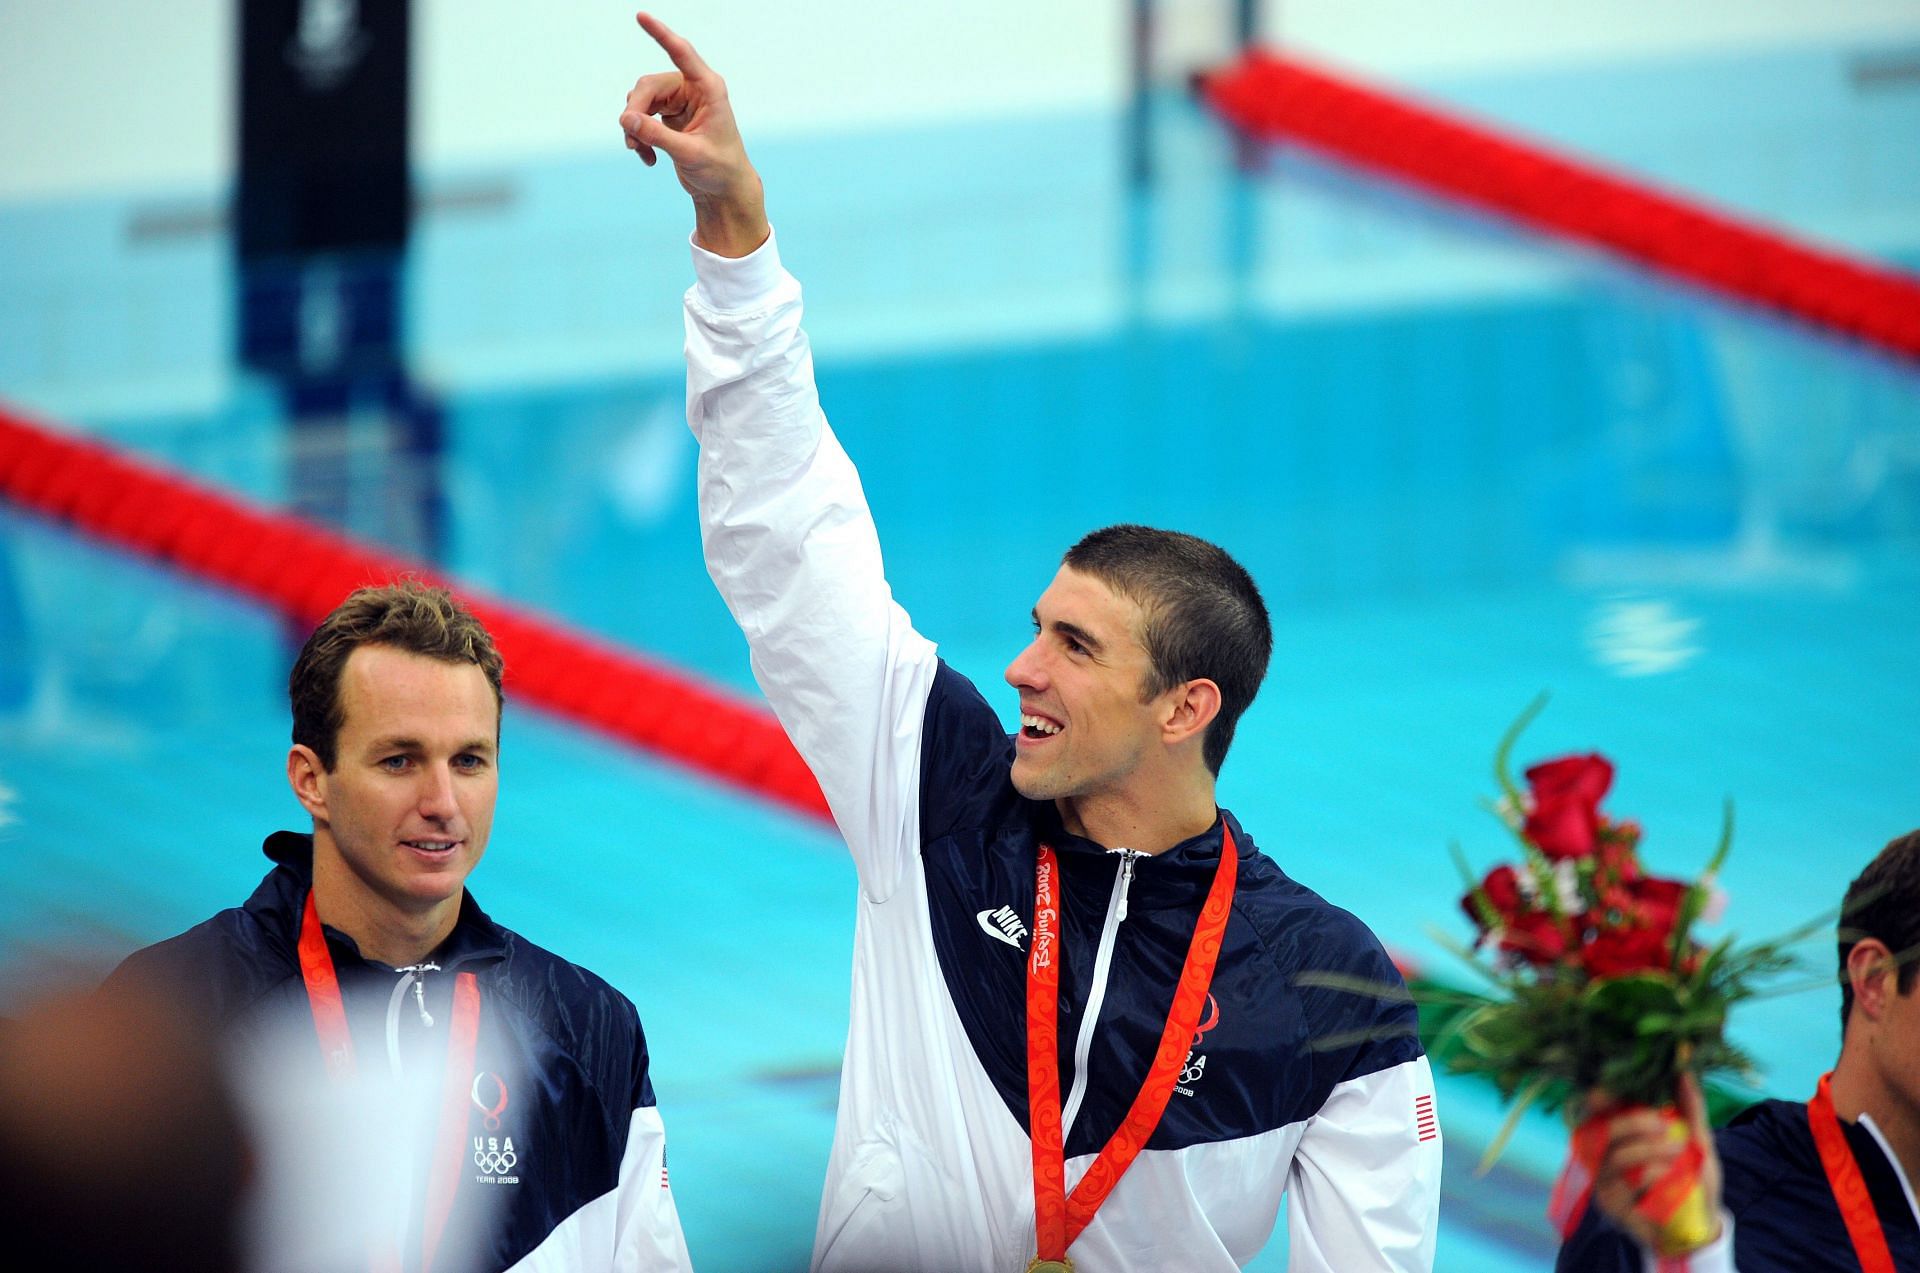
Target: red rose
[(1657, 902), (1582, 778), (1534, 937), (1563, 813), (1501, 892), (1614, 952)]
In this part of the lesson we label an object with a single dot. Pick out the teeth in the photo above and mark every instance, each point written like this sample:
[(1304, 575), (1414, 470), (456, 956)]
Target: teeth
[(1039, 725)]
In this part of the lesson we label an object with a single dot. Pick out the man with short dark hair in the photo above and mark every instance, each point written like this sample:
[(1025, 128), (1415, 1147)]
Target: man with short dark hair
[(1091, 1023), (524, 1132), (1826, 1184)]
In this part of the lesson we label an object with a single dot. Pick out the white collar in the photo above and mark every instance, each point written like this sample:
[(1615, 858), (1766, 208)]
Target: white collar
[(1866, 1121)]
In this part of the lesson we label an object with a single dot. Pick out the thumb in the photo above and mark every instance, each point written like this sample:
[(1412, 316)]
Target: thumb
[(649, 131)]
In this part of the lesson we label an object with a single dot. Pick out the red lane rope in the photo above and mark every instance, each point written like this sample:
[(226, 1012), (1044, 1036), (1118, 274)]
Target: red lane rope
[(302, 571), (1278, 98)]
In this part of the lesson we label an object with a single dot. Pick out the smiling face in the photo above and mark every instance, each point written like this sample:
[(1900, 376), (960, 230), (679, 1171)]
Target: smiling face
[(404, 814), (1085, 731)]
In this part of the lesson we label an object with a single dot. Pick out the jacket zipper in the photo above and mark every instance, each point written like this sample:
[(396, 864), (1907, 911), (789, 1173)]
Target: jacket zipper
[(1097, 994), (414, 977)]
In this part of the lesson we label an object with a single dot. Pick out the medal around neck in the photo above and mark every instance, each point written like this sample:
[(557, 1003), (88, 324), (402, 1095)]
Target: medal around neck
[(1059, 1217)]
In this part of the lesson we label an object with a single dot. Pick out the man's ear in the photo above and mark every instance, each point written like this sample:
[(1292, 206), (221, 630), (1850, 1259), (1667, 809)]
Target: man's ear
[(1871, 972), (307, 776), (1191, 708)]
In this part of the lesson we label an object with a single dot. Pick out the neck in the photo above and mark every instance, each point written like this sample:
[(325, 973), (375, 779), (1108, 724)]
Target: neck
[(1858, 1089), (1151, 823), (383, 932)]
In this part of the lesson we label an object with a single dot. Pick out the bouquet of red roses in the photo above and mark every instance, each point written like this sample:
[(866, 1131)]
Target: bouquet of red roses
[(1598, 985)]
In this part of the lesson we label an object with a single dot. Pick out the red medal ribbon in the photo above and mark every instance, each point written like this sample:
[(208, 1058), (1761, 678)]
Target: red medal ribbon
[(1848, 1185), (1059, 1219), (336, 1049)]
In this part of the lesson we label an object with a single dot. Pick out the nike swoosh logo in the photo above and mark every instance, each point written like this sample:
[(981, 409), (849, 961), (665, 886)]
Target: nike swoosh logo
[(994, 930)]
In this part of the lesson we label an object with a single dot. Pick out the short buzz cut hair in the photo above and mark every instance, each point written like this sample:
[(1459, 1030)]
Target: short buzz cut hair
[(407, 615), (1883, 902), (1202, 616)]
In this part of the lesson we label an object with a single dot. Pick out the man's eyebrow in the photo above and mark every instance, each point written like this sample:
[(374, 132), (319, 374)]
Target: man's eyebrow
[(402, 742), (1073, 631), (1079, 634)]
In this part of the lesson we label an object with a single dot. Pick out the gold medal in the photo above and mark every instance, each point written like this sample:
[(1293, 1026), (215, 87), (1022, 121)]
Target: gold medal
[(1050, 1266)]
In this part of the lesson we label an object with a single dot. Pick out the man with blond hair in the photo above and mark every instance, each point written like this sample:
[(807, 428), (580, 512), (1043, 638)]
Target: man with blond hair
[(524, 1134)]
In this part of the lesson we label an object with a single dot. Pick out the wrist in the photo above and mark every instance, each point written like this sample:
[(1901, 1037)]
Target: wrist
[(732, 223)]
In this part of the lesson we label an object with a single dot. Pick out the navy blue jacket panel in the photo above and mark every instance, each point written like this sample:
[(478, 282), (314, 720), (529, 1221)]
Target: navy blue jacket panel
[(561, 1062), (1273, 1041)]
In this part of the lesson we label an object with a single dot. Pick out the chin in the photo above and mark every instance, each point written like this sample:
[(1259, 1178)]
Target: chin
[(1034, 786)]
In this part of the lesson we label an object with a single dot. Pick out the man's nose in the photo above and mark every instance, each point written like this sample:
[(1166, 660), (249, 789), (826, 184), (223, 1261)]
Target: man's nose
[(1026, 671), (436, 793)]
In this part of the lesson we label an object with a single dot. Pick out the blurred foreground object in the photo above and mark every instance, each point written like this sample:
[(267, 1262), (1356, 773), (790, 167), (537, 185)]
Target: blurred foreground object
[(121, 1145)]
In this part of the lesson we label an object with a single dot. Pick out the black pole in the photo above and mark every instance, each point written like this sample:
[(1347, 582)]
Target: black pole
[(1140, 107), (323, 208)]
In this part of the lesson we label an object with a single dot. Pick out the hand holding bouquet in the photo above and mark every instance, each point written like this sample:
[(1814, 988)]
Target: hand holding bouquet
[(1601, 999)]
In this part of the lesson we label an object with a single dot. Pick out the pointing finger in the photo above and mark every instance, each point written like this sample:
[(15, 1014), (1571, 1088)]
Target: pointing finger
[(689, 62)]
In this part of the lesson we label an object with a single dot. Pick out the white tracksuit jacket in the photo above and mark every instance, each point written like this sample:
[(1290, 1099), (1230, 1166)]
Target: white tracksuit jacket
[(1289, 1087)]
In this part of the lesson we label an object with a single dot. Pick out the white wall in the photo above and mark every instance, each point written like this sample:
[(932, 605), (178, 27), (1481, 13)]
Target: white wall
[(506, 75), (1413, 37), (117, 95), (133, 96)]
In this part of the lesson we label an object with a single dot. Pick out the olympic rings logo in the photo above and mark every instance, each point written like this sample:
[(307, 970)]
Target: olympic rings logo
[(495, 1162)]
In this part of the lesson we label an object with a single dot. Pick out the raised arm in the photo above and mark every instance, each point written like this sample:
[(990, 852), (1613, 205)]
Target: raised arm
[(788, 537)]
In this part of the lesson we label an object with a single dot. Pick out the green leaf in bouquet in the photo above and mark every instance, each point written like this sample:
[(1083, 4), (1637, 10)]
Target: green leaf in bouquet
[(1700, 1023), (1696, 898), (1347, 983), (1632, 1064), (1711, 961), (1503, 755), (1545, 881), (1628, 998), (1471, 959), (1529, 1094), (1821, 926), (1447, 1044)]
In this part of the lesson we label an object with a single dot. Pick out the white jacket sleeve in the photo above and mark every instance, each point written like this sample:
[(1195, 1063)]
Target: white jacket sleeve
[(648, 1237), (1366, 1178), (791, 545), (634, 1228)]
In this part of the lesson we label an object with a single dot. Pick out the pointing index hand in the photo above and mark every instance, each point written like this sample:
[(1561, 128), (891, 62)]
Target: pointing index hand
[(685, 112)]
